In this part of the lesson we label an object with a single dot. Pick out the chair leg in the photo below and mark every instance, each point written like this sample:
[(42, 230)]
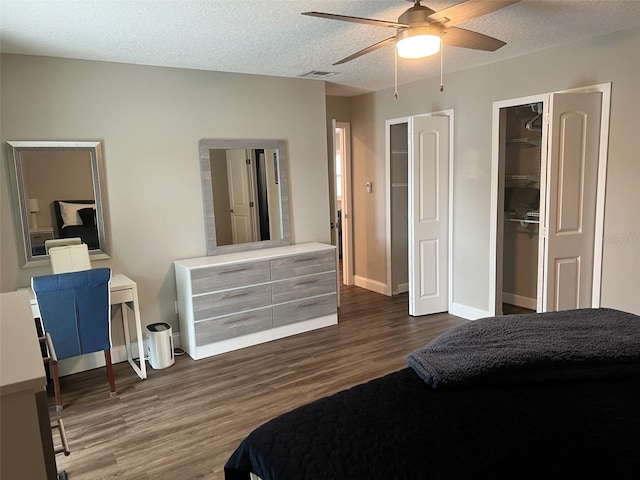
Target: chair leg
[(56, 385), (112, 382)]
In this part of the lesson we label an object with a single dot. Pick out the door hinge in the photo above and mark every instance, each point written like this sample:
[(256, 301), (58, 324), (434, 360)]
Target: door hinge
[(248, 161), (545, 119), (251, 204)]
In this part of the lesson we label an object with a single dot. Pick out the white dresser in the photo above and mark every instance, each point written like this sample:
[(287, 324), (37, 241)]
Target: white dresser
[(232, 301)]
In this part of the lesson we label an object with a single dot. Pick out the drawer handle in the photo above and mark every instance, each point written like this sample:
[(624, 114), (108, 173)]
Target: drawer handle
[(234, 270), (306, 259), (238, 320), (63, 438), (308, 304), (307, 282), (235, 295)]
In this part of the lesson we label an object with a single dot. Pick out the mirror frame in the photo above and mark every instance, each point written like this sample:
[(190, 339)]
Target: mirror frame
[(206, 144), (20, 201)]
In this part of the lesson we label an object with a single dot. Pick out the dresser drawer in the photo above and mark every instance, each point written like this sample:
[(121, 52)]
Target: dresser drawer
[(306, 309), (305, 264), (230, 301), (210, 331), (220, 277), (302, 287)]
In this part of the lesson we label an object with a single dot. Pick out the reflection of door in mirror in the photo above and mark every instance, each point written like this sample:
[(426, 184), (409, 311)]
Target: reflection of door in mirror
[(246, 195), (51, 176), (241, 196)]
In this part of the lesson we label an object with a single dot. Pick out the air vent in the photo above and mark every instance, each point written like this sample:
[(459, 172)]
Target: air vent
[(318, 74)]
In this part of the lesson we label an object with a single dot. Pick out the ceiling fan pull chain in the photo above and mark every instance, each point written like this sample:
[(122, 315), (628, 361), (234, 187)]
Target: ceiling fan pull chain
[(395, 71), (441, 54)]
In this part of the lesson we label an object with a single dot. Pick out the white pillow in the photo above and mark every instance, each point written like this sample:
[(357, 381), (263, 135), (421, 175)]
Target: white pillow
[(69, 212)]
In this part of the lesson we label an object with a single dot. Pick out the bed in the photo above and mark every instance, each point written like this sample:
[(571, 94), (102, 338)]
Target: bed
[(77, 218), (554, 395)]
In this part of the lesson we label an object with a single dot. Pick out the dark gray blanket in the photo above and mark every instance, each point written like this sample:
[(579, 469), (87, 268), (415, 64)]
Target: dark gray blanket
[(584, 343)]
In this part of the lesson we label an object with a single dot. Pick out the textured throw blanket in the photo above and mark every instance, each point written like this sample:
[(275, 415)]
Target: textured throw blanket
[(584, 343)]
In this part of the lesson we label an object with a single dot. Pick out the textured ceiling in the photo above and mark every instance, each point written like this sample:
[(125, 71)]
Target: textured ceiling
[(270, 37)]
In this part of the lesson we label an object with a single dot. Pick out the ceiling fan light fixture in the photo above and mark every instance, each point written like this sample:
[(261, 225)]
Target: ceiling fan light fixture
[(417, 43)]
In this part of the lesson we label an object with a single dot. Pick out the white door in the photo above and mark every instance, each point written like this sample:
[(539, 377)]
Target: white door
[(428, 214), (570, 200), (240, 196)]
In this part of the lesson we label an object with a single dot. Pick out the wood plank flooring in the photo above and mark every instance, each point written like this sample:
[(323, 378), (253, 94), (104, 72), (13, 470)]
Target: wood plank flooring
[(183, 422)]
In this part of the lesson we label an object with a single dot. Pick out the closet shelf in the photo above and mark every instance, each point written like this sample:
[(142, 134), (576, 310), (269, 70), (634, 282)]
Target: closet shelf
[(528, 217), (525, 141), (524, 221), (521, 180)]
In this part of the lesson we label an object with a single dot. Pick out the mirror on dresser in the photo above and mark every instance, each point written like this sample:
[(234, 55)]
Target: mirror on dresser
[(245, 194), (58, 193)]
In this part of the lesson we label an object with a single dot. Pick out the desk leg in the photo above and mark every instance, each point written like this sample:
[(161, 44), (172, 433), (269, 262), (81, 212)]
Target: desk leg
[(141, 368)]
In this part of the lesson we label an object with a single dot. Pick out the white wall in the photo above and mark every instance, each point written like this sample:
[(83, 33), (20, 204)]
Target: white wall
[(471, 93), (150, 120)]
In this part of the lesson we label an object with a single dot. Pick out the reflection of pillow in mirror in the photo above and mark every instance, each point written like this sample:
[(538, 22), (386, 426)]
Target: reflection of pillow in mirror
[(88, 216), (69, 212)]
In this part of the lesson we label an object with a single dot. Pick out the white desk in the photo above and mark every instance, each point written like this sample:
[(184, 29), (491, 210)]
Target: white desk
[(124, 293)]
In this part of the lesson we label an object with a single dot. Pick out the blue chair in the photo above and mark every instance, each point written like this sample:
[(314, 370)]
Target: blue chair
[(76, 312)]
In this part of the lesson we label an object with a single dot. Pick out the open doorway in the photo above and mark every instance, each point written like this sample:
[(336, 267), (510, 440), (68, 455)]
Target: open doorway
[(398, 205), (418, 171), (343, 201), (521, 144), (548, 220)]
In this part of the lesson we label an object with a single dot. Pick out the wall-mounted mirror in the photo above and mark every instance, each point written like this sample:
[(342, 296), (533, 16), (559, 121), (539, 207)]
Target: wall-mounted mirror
[(244, 193), (58, 194)]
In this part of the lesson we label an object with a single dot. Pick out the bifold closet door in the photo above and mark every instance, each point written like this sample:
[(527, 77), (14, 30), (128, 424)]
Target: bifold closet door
[(572, 179), (428, 214)]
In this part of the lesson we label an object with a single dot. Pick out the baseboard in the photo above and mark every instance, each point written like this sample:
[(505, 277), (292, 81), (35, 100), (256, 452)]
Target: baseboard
[(82, 363), (470, 313), (519, 300), (402, 288), (372, 285)]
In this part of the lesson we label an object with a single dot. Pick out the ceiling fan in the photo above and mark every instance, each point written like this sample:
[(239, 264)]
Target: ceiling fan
[(421, 30)]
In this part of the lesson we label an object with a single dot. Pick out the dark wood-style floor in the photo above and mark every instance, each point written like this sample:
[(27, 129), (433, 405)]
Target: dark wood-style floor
[(183, 422)]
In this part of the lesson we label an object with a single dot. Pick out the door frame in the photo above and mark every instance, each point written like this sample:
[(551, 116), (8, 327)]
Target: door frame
[(496, 226), (605, 89), (346, 202), (394, 121)]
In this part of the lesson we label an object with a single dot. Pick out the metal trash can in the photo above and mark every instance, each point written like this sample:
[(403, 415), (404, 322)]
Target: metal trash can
[(160, 345)]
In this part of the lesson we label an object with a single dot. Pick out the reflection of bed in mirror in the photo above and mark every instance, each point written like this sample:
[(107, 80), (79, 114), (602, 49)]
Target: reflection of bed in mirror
[(77, 218), (48, 172)]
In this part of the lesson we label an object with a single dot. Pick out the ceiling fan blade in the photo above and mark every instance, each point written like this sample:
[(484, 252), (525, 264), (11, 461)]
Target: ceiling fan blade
[(366, 21), (369, 49), (459, 37), (468, 10)]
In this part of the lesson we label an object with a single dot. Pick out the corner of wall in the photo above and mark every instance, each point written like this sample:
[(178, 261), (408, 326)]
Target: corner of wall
[(468, 313)]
